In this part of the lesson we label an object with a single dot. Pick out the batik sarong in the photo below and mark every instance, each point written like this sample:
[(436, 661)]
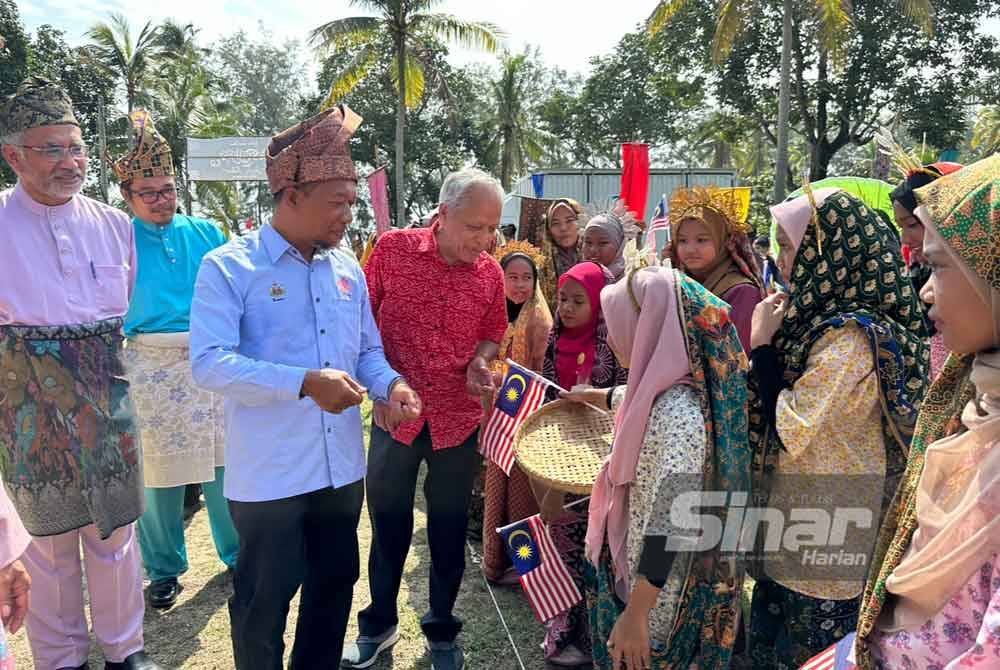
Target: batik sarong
[(69, 448), (181, 425)]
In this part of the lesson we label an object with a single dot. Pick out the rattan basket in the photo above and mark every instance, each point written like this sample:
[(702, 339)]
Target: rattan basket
[(563, 444)]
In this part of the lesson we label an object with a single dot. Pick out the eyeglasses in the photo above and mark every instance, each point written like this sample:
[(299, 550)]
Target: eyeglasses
[(55, 154), (149, 197)]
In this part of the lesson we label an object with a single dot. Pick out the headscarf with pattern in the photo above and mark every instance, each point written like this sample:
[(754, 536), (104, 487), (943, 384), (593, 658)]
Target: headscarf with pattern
[(716, 367), (965, 208), (858, 277), (36, 102), (560, 259)]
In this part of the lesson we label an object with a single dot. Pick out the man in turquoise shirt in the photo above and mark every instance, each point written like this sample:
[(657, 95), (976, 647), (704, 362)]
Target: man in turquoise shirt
[(181, 426)]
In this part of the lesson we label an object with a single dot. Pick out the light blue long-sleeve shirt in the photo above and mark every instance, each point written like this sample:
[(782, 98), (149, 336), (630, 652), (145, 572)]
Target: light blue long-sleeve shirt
[(261, 318), (168, 260)]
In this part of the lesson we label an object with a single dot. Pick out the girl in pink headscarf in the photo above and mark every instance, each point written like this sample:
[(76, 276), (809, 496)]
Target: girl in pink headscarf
[(657, 598)]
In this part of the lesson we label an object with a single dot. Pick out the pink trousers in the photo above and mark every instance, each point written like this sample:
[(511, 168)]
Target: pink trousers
[(57, 626)]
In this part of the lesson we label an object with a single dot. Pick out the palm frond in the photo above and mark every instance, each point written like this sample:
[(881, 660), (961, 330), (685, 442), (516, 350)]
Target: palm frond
[(470, 34), (661, 16), (835, 26), (415, 81), (921, 12), (383, 7), (986, 132), (353, 74), (351, 32), (728, 27)]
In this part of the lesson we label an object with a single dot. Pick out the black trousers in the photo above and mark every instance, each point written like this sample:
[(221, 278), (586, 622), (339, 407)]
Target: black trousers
[(391, 485), (311, 541)]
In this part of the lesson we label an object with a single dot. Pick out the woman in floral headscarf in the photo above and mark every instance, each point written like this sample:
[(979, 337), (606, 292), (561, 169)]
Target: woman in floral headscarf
[(904, 205), (560, 244), (509, 498), (933, 596), (838, 371), (680, 427)]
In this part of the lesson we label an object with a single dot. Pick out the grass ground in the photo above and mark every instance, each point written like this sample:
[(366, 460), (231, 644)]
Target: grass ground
[(195, 632)]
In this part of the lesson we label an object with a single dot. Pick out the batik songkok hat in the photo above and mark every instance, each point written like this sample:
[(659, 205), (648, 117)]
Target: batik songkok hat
[(36, 102), (149, 154), (317, 149), (965, 209)]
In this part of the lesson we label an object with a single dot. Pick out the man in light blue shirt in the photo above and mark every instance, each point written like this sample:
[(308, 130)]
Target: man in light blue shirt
[(281, 325)]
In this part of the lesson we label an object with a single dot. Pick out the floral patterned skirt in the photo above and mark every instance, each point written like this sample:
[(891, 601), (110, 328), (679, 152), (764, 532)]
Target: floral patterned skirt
[(788, 628)]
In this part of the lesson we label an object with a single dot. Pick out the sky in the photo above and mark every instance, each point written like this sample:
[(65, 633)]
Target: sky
[(568, 32)]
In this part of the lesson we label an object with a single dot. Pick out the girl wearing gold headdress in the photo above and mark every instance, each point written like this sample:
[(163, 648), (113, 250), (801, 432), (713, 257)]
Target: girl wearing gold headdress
[(709, 242), (509, 498)]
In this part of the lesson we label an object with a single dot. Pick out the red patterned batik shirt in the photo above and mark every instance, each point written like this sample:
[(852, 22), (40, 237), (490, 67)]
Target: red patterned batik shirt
[(432, 316)]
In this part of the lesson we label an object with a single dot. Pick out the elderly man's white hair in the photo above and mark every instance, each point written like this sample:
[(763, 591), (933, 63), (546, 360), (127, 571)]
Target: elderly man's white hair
[(458, 184)]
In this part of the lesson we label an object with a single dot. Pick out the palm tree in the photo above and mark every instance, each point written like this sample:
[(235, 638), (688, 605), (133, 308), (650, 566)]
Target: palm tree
[(515, 143), (835, 22), (114, 51), (405, 27), (986, 132)]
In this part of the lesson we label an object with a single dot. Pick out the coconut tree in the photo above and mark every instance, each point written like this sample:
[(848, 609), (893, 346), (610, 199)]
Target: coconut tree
[(515, 143), (986, 132), (835, 22), (405, 27), (115, 51)]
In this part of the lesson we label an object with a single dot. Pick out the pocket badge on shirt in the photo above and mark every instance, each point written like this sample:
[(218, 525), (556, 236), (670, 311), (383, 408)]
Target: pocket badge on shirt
[(344, 285), (277, 292)]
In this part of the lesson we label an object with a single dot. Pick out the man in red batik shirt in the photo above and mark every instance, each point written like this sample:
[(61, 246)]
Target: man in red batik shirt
[(438, 300)]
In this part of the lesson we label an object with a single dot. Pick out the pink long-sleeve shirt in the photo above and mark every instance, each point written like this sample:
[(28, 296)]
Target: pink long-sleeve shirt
[(70, 264)]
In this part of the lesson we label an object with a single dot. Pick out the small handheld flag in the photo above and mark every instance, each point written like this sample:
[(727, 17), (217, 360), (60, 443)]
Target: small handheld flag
[(520, 395), (544, 577)]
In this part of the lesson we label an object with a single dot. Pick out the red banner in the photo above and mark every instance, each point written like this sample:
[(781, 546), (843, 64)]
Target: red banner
[(635, 178), (378, 187)]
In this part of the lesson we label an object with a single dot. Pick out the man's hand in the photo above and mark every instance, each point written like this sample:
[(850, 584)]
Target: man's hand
[(403, 405), (14, 586), (333, 390), (478, 379)]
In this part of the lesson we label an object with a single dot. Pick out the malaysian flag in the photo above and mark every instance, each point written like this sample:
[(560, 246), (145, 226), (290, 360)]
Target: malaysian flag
[(544, 577), (836, 657), (520, 395), (658, 235)]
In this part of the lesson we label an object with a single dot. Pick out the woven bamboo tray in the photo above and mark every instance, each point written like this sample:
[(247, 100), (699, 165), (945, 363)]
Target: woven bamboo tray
[(564, 444)]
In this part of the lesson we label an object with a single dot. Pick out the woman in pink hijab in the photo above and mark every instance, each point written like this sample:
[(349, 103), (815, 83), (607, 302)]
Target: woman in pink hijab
[(658, 599)]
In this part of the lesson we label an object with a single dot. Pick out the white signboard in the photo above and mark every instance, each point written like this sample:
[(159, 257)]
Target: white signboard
[(227, 159)]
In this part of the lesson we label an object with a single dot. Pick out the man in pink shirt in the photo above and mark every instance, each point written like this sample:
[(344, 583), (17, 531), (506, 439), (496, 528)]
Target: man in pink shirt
[(69, 446)]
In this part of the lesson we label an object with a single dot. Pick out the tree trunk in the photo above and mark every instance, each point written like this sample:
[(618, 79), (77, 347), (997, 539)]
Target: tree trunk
[(506, 159), (400, 133), (784, 100)]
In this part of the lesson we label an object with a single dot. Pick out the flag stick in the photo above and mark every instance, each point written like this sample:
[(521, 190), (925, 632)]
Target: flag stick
[(569, 506), (542, 380)]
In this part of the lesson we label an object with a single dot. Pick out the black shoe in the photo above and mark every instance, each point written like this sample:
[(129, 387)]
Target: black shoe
[(137, 661), (446, 656), (163, 593)]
